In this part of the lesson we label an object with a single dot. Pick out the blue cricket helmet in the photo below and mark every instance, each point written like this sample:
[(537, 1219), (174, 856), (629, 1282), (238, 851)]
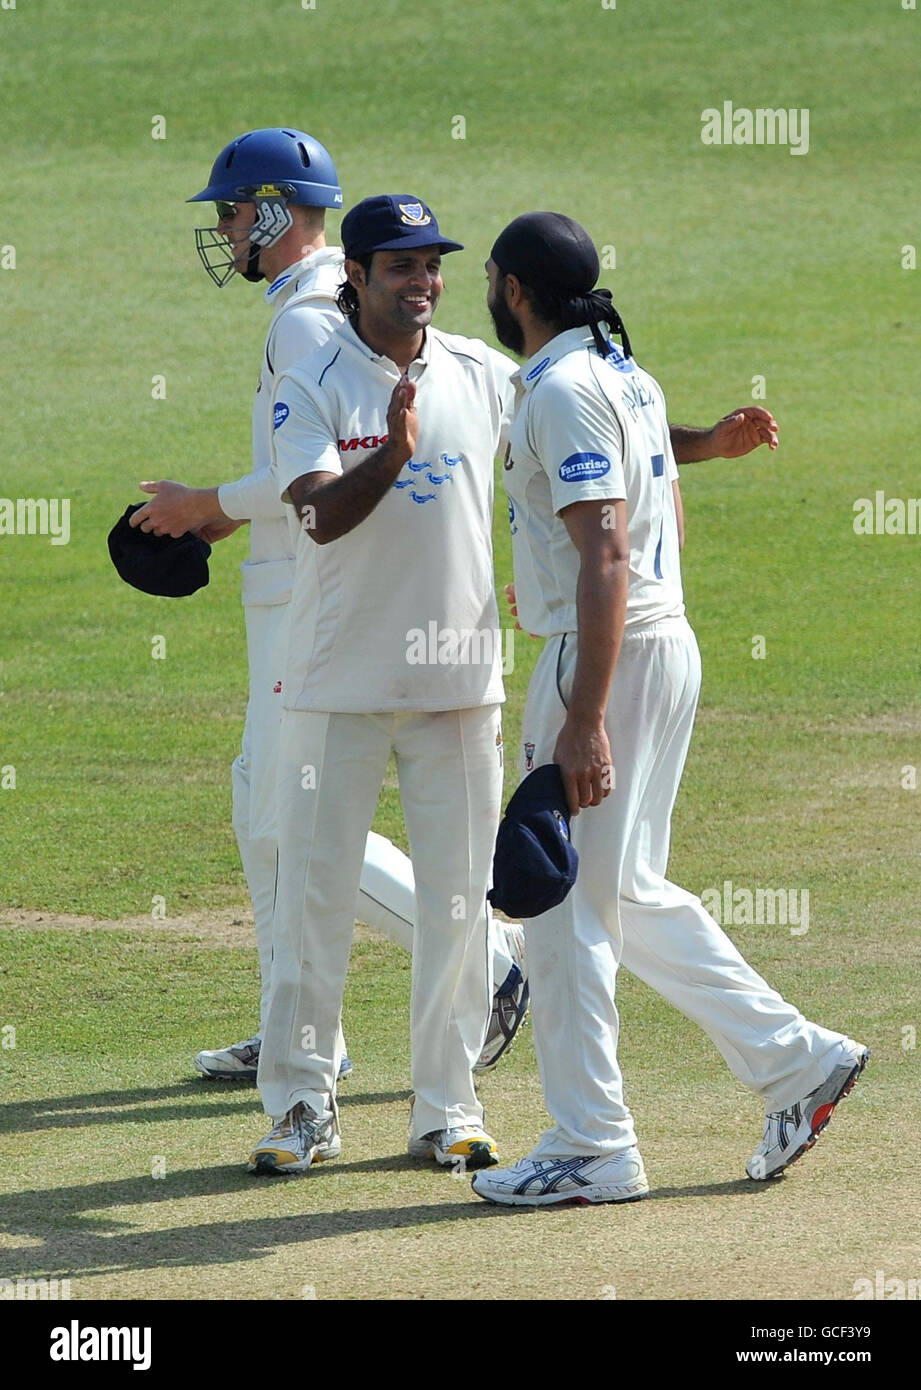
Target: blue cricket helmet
[(299, 167), (270, 168)]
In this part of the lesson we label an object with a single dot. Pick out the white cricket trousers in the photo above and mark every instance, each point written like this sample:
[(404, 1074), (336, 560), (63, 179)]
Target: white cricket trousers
[(623, 908), (386, 898), (331, 767)]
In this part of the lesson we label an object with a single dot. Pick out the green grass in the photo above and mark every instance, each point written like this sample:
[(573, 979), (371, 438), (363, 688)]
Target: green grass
[(731, 263)]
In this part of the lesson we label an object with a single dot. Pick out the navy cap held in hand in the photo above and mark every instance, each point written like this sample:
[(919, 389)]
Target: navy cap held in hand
[(535, 864), (161, 565)]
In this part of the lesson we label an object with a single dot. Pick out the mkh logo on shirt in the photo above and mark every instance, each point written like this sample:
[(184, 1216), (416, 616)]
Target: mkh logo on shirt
[(581, 468), (366, 441)]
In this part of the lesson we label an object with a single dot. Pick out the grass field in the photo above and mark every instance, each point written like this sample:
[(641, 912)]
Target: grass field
[(731, 264)]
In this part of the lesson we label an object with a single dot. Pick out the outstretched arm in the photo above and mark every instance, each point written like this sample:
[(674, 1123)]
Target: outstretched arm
[(175, 508), (738, 433)]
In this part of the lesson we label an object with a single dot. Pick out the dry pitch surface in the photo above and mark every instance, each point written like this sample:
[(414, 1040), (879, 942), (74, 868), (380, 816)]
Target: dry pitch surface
[(84, 1204)]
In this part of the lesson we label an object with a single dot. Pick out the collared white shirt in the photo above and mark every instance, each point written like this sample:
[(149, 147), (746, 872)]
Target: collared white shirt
[(589, 428), (400, 612), (303, 299)]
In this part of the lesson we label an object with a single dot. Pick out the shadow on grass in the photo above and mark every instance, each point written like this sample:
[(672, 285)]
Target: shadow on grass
[(204, 1100), (114, 1107), (74, 1244)]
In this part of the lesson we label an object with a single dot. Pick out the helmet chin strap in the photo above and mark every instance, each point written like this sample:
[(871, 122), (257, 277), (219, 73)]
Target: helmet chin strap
[(252, 271)]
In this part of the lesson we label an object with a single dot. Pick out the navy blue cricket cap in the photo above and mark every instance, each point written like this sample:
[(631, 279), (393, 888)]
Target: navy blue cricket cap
[(167, 566), (548, 248), (391, 222), (535, 864)]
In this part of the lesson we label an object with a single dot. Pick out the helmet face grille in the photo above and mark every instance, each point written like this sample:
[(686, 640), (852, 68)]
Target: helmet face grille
[(215, 254)]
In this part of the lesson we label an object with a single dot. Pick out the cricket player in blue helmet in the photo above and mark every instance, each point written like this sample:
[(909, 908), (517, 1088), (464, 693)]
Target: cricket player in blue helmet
[(252, 183), (272, 188)]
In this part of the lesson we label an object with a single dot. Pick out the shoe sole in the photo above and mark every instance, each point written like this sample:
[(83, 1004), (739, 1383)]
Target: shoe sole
[(248, 1075), (480, 1067), (480, 1156), (820, 1119), (267, 1165), (582, 1199)]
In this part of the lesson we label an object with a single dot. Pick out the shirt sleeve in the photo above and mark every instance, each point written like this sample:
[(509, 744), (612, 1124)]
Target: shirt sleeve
[(253, 498), (578, 439), (304, 439)]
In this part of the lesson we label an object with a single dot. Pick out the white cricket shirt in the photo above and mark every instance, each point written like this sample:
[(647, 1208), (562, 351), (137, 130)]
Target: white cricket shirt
[(589, 428), (400, 613), (305, 314)]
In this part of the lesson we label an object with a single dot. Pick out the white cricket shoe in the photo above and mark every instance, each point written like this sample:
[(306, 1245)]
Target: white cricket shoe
[(240, 1062), (296, 1142), (464, 1148), (790, 1133), (509, 1003), (542, 1182)]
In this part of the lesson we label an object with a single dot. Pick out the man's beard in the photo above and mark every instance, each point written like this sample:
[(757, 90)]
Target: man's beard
[(508, 329)]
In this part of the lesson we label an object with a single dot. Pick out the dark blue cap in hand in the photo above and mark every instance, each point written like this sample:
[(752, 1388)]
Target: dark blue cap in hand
[(535, 864), (163, 565)]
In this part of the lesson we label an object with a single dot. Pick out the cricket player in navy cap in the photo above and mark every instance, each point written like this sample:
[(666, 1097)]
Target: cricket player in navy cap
[(384, 442), (592, 487)]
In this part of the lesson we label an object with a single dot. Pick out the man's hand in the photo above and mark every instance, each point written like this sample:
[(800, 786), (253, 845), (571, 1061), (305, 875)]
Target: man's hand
[(511, 599), (402, 420), (743, 430), (736, 434), (341, 501), (175, 509), (583, 752)]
